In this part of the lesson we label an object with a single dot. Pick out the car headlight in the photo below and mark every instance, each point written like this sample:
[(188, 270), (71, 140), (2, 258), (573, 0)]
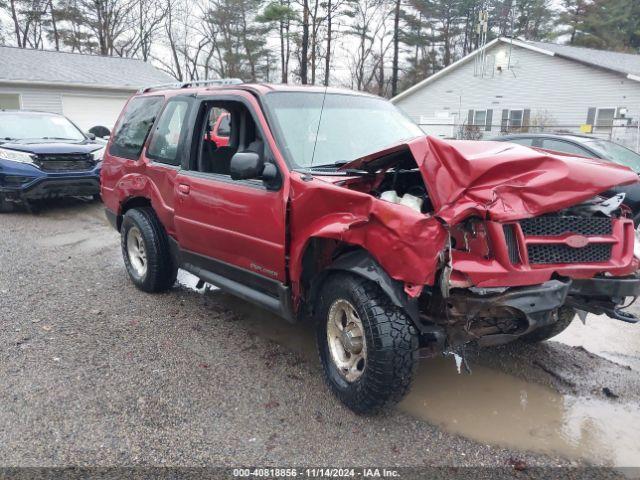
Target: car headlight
[(98, 154), (15, 156)]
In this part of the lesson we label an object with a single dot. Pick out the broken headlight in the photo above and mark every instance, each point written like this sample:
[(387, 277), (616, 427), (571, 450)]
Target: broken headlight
[(471, 236)]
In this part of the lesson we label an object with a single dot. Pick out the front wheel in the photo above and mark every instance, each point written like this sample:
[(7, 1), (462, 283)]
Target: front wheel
[(145, 249), (367, 345), (5, 206)]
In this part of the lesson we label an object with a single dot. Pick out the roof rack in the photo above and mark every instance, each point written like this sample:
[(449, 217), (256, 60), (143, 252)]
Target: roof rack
[(192, 83)]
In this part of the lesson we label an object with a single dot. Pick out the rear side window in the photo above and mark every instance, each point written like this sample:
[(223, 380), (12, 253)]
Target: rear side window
[(527, 142), (565, 147), (132, 131), (165, 142)]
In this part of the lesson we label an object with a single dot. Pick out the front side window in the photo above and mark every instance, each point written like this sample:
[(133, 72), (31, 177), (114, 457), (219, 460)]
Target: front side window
[(243, 135), (164, 144), (23, 126), (315, 129), (616, 153), (134, 126)]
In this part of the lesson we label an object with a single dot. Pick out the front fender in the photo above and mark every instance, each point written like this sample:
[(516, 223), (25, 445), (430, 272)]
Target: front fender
[(361, 263), (406, 244)]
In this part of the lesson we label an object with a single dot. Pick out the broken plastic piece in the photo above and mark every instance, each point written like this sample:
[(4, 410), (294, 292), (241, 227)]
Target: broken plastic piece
[(582, 315), (460, 360)]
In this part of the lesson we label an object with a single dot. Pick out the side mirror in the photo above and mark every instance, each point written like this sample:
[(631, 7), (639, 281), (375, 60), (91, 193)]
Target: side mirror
[(246, 165), (100, 131)]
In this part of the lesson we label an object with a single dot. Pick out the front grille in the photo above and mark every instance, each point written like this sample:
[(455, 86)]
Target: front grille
[(593, 253), (551, 226), (512, 243), (65, 162)]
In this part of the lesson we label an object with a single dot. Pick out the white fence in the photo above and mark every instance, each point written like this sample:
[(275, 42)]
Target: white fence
[(626, 135)]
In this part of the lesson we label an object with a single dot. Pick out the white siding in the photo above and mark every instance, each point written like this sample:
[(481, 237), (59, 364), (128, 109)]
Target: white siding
[(100, 104), (41, 101), (564, 88)]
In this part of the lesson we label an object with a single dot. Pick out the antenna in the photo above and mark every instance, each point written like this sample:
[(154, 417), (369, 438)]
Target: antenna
[(315, 142)]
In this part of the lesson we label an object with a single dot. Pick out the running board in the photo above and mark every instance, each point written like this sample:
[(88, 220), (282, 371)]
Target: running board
[(271, 303)]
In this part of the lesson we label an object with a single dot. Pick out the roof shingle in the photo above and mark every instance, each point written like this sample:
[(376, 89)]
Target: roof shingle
[(626, 63), (50, 67)]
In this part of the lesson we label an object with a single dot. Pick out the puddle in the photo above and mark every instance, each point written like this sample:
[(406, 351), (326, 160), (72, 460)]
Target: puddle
[(492, 407), (487, 406), (614, 340)]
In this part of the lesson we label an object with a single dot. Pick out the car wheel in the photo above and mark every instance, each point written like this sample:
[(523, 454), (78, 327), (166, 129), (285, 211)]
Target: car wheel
[(565, 317), (5, 206), (367, 345), (145, 249)]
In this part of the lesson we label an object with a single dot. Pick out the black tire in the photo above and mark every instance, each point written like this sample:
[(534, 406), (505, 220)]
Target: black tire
[(161, 270), (5, 206), (565, 317), (391, 345)]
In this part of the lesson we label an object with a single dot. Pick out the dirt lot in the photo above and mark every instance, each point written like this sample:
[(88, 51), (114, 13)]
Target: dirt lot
[(95, 372)]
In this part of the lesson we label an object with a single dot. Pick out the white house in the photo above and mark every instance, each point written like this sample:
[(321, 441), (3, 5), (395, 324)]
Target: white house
[(514, 85), (89, 89)]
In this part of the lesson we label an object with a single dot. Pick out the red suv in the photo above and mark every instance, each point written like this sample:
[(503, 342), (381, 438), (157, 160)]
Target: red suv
[(331, 205)]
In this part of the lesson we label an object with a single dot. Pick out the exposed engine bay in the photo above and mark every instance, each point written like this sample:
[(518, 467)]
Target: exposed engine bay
[(458, 310), (479, 241)]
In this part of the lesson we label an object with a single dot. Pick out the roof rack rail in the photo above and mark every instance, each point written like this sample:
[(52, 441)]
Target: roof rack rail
[(192, 83)]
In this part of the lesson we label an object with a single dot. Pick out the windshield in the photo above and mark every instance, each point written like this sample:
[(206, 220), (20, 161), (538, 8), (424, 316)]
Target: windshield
[(22, 126), (351, 126), (616, 153)]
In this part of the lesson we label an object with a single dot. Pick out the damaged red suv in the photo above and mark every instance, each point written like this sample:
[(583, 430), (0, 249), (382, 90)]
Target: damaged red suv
[(333, 206)]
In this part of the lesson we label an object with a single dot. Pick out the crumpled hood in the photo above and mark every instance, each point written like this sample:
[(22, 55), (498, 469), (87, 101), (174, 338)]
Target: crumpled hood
[(502, 181)]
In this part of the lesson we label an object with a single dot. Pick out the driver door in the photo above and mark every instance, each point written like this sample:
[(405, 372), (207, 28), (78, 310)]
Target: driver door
[(233, 228)]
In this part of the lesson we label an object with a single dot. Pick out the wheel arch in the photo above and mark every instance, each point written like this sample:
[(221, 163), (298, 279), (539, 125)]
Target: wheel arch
[(128, 204), (323, 257)]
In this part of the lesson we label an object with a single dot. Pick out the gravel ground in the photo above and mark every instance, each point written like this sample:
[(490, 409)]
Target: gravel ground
[(96, 373)]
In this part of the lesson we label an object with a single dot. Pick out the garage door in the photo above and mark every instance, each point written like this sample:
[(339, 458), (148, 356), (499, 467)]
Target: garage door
[(87, 111)]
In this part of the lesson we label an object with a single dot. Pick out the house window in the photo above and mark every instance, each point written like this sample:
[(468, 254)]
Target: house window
[(9, 101), (604, 119), (480, 118), (515, 119)]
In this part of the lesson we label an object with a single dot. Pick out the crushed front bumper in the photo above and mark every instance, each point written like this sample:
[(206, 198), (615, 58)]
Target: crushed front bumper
[(604, 295), (535, 305)]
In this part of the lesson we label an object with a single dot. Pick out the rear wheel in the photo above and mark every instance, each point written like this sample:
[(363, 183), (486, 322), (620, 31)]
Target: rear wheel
[(145, 249), (565, 317), (367, 345)]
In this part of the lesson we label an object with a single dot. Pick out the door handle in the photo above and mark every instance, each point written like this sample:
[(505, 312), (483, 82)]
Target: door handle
[(184, 188)]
